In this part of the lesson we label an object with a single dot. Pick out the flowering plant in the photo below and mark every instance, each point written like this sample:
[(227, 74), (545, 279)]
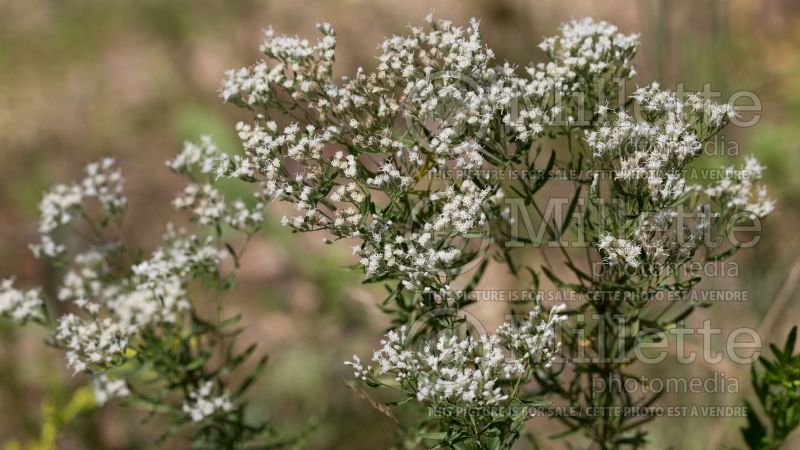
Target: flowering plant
[(399, 162), (129, 320)]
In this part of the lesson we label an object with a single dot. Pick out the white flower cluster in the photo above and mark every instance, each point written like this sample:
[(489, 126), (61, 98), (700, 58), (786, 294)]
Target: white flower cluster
[(148, 298), (535, 339), (105, 388), (203, 157), (648, 151), (618, 250), (651, 151), (94, 344), (201, 404), (82, 282), (129, 318), (153, 295), (422, 254), (245, 218), (465, 371), (300, 67), (128, 309), (59, 206), (206, 203), (183, 256), (142, 307), (64, 202), (120, 303), (439, 81), (20, 306), (587, 47), (655, 239), (104, 183), (735, 190), (208, 207)]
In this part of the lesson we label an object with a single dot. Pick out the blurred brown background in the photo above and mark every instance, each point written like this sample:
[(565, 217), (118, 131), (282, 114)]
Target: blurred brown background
[(80, 79)]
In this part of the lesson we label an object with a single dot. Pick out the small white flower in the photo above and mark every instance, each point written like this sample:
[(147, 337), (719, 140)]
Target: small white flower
[(201, 404)]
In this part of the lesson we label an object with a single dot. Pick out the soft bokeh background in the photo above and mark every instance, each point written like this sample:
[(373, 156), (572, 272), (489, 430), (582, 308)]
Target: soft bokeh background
[(80, 79)]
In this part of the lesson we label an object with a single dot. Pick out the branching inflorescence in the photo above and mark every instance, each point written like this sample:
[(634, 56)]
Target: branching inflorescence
[(400, 162), (130, 321)]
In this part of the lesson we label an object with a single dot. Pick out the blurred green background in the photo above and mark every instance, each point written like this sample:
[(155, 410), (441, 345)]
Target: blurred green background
[(80, 79)]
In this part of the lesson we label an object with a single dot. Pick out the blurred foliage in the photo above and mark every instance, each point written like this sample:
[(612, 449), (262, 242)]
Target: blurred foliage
[(55, 417), (777, 386)]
